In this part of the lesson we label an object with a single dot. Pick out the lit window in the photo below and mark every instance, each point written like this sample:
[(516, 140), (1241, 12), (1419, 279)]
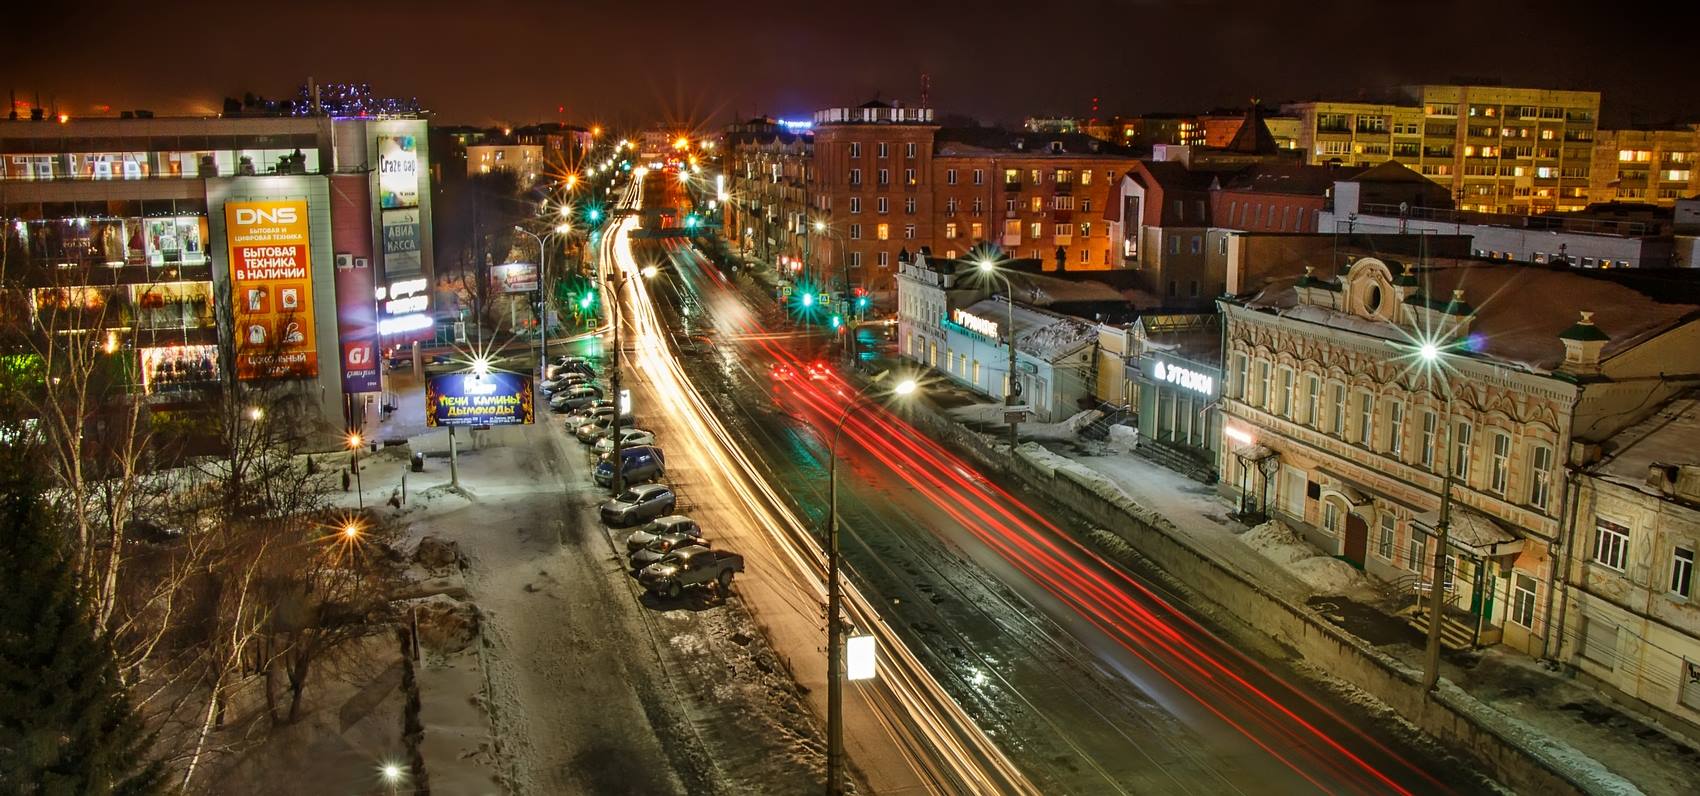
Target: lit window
[(883, 232), (950, 231)]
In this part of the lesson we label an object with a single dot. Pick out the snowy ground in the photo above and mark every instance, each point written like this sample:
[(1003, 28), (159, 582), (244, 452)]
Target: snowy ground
[(579, 684)]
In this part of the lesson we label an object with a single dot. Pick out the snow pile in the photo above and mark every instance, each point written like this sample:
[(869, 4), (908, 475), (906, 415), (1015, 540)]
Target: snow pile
[(1328, 575), (1124, 438), (1278, 543)]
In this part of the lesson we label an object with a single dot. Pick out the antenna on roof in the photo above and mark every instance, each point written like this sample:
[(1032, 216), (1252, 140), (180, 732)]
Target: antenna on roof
[(926, 88)]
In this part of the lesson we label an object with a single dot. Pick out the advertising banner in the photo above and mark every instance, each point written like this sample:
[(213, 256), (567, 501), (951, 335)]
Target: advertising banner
[(467, 399), (513, 277), (271, 289), (357, 323), (398, 171), (401, 243)]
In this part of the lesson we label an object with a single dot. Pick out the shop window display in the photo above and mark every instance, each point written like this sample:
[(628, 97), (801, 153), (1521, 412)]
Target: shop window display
[(176, 368)]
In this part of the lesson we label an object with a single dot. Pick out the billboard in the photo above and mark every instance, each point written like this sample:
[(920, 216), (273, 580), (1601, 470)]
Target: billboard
[(401, 243), (468, 399), (271, 289), (357, 323), (514, 277), (398, 171)]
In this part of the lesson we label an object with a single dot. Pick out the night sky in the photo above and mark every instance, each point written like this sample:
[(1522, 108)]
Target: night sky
[(698, 63)]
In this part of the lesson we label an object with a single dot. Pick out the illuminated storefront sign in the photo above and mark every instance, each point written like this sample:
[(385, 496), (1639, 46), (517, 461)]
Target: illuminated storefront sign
[(401, 243), (357, 324), (271, 288), (1184, 378), (398, 171), (975, 323), (469, 399)]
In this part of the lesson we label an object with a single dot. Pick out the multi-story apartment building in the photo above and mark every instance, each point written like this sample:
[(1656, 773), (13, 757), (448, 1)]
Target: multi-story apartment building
[(1039, 196), (1353, 403), (1498, 149), (848, 195), (212, 250), (767, 196), (1652, 166), (1629, 609), (871, 182)]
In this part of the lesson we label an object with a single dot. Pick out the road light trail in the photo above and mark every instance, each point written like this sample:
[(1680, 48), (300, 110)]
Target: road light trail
[(944, 746), (1314, 744)]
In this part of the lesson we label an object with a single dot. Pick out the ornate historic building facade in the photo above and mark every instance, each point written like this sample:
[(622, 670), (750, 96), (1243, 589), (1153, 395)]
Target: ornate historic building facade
[(1354, 402)]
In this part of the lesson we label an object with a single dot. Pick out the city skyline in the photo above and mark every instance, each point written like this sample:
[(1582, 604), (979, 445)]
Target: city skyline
[(705, 68)]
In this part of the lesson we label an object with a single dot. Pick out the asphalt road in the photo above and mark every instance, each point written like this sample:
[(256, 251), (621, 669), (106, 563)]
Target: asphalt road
[(1091, 677)]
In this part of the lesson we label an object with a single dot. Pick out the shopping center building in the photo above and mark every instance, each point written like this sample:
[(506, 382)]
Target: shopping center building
[(281, 251)]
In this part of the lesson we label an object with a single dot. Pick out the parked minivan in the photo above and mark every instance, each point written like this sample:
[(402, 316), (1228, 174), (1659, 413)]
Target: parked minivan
[(643, 463)]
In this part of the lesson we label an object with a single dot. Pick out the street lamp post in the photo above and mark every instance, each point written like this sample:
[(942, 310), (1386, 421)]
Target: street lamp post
[(834, 629), (1430, 354), (1012, 393), (354, 443)]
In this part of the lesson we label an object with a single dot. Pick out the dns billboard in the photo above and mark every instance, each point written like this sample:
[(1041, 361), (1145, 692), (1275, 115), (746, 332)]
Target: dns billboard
[(271, 289), (468, 399)]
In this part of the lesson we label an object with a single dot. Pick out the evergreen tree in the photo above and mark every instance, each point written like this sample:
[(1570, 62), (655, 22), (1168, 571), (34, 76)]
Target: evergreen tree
[(66, 725)]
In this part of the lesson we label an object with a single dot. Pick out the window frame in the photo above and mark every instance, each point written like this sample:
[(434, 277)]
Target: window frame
[(1681, 572), (1611, 545)]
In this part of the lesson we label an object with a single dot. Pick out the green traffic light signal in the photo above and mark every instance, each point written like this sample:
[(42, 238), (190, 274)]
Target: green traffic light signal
[(836, 320), (808, 299)]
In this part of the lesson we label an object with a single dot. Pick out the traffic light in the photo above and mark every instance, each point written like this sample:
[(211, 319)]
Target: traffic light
[(837, 321), (808, 300), (594, 214), (861, 302)]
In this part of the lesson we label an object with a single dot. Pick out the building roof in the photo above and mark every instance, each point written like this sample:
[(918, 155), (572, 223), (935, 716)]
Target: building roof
[(1253, 137), (1283, 178), (983, 140), (1390, 171), (1519, 311), (1039, 334), (1670, 436)]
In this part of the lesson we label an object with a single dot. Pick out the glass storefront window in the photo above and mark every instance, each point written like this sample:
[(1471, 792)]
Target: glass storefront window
[(171, 368), (173, 305), (173, 241)]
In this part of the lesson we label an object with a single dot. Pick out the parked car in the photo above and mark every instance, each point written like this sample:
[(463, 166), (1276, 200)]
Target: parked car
[(566, 381), (574, 398), (631, 437), (639, 503), (659, 547), (584, 414), (670, 524), (691, 566), (566, 365), (637, 465), (597, 427)]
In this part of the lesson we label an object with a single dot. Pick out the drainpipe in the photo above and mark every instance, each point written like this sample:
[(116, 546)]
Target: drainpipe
[(1561, 572)]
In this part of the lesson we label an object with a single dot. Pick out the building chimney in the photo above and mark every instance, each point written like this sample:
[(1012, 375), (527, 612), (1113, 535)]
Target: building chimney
[(1582, 344)]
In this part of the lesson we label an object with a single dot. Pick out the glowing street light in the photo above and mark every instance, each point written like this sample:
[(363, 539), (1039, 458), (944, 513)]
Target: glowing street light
[(351, 531), (649, 271), (256, 413)]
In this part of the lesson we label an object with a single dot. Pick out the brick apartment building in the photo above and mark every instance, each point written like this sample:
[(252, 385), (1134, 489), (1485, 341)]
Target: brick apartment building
[(862, 187)]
